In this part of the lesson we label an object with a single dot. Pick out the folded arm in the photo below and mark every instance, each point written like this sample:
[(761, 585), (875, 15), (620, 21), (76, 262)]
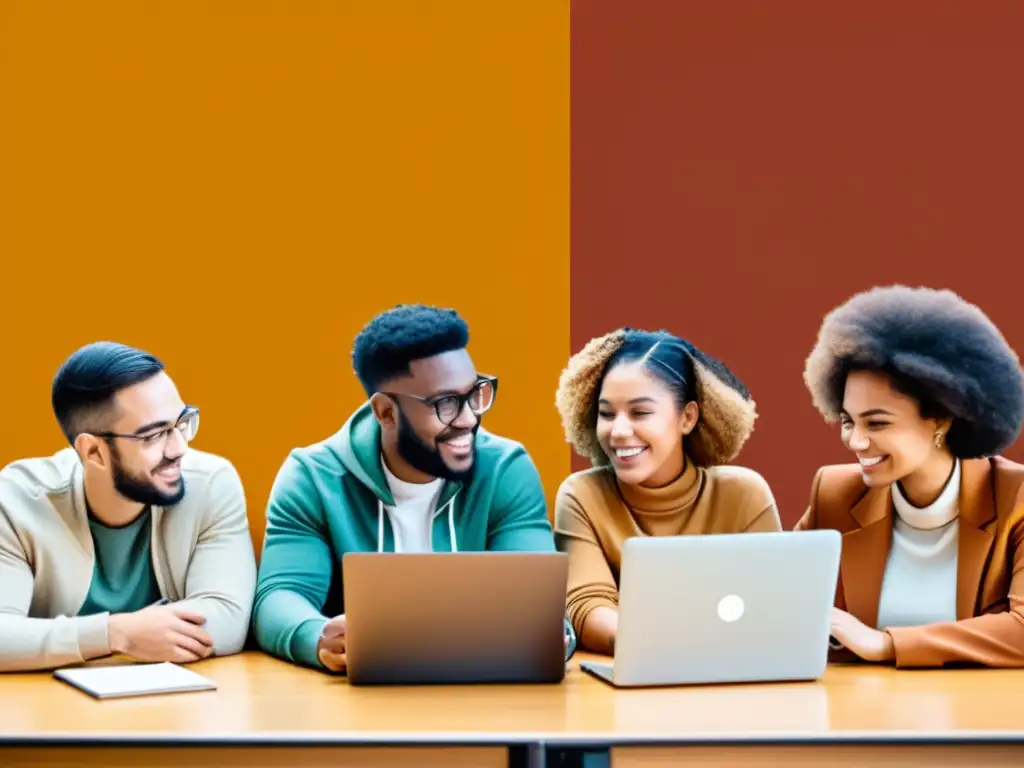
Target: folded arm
[(35, 644), (295, 570), (221, 575)]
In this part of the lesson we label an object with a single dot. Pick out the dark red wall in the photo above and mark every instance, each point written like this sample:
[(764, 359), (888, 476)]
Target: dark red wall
[(739, 168)]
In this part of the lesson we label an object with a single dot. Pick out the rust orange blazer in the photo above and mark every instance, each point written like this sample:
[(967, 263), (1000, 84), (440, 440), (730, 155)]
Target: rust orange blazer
[(989, 629)]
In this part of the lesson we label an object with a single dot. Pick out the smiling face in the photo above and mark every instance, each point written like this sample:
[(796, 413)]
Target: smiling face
[(640, 426), (410, 410), (886, 431), (146, 468)]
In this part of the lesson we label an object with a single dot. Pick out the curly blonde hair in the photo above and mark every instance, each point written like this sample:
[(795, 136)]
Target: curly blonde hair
[(727, 413)]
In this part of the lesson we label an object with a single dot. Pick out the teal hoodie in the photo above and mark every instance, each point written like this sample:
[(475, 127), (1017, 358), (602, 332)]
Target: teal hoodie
[(329, 498)]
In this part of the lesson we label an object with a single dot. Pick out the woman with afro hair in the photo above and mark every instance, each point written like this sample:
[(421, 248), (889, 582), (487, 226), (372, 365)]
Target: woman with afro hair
[(927, 394), (659, 419)]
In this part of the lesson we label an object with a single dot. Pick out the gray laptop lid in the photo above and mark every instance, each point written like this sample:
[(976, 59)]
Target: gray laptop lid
[(715, 608), (465, 617)]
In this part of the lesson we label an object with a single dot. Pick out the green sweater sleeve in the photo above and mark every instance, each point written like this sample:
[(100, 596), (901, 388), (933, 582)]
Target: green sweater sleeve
[(295, 569), (521, 520), (519, 513)]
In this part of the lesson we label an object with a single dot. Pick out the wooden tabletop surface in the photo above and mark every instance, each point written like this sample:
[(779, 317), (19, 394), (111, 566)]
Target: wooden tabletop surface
[(260, 698)]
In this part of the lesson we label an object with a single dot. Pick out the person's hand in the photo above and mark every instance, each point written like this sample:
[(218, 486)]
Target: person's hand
[(160, 633), (870, 644), (331, 648)]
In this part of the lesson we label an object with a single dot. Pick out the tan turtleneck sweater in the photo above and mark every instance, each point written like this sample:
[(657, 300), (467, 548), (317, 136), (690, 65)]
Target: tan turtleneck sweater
[(595, 514)]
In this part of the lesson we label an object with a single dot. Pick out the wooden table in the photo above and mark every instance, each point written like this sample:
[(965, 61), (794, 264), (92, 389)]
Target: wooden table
[(270, 713)]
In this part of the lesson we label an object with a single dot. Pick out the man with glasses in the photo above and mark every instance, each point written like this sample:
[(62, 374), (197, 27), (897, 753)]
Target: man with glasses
[(127, 542), (410, 471)]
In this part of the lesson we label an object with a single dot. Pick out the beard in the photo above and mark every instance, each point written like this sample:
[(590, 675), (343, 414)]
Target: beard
[(426, 458), (141, 490)]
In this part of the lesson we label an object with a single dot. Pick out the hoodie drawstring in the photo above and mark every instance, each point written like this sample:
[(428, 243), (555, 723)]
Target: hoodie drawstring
[(380, 525), (451, 524)]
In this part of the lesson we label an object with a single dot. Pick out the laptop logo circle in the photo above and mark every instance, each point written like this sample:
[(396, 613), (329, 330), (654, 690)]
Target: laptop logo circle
[(730, 608)]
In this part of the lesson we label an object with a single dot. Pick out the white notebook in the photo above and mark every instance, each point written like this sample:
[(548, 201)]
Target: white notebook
[(134, 680)]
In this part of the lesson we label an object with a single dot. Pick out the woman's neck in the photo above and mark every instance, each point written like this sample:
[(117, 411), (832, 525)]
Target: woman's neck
[(670, 497), (666, 475), (925, 485)]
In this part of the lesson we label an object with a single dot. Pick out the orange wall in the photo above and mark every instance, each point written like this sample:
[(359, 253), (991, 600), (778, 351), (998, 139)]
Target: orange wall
[(239, 186)]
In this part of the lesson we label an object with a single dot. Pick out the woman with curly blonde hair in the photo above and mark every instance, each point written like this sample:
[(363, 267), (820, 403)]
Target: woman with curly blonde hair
[(659, 419), (927, 394)]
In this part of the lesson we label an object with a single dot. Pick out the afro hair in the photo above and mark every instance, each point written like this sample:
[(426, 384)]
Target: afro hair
[(727, 412), (933, 346), (393, 339)]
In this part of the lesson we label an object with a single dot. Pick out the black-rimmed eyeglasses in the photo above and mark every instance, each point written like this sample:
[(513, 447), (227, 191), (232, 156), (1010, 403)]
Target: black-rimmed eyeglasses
[(448, 407), (187, 424)]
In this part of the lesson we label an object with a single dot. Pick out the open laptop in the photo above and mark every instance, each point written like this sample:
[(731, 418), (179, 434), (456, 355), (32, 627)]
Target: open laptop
[(462, 617), (724, 608)]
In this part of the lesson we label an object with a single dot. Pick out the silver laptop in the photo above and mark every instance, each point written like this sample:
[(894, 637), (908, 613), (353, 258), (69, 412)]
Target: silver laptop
[(724, 608), (463, 617)]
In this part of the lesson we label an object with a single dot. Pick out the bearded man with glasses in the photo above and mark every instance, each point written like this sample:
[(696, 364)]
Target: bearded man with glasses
[(128, 542), (410, 471)]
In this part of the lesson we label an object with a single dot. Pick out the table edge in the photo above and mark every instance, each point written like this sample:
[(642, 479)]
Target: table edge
[(497, 738)]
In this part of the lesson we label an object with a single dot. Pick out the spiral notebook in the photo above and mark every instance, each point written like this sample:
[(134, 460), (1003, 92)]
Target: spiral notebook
[(109, 682)]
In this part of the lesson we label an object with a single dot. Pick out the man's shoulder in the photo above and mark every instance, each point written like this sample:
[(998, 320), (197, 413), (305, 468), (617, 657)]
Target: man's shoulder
[(505, 463), (39, 477), (198, 464), (309, 472), (210, 479), (321, 456), (493, 449)]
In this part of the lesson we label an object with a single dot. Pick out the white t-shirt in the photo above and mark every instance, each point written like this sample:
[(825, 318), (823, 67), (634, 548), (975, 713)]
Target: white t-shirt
[(413, 514)]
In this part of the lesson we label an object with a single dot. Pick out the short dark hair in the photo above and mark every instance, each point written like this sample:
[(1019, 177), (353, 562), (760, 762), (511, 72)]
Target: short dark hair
[(87, 382), (933, 347), (393, 339), (727, 412)]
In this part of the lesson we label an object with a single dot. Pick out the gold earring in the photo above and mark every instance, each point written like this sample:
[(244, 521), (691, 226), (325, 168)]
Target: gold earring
[(938, 438)]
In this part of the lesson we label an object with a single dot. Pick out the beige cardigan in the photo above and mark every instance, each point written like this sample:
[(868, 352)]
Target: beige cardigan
[(201, 548)]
